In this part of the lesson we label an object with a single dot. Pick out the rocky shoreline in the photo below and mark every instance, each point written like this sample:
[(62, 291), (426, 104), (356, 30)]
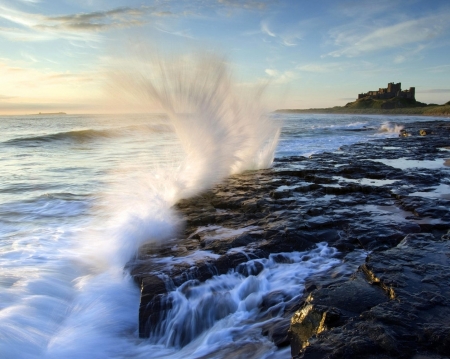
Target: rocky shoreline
[(384, 205)]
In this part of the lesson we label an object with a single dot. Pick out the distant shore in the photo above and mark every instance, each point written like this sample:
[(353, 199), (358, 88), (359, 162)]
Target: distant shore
[(346, 111), (374, 108), (51, 113)]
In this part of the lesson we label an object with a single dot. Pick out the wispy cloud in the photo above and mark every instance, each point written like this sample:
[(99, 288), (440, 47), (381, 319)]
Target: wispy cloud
[(277, 77), (94, 21), (246, 4), (367, 9), (182, 33), (290, 38), (265, 29), (399, 59), (23, 77), (355, 42), (286, 37), (441, 68), (4, 97), (26, 26), (322, 68)]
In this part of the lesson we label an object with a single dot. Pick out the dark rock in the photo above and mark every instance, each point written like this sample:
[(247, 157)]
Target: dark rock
[(391, 307), (400, 308), (277, 331)]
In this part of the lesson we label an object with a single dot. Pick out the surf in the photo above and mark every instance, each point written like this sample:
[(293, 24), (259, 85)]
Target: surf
[(83, 284)]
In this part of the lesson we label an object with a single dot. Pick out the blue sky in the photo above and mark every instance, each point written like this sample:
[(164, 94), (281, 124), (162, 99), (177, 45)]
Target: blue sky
[(54, 54)]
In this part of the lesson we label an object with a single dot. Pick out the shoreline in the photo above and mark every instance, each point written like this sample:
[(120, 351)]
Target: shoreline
[(359, 198), (362, 112)]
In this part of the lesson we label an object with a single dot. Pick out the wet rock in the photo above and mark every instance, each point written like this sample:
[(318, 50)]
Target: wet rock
[(277, 331), (353, 201), (400, 307)]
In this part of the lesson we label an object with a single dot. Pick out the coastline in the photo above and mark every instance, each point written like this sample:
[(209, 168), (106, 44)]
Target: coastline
[(433, 111), (365, 197)]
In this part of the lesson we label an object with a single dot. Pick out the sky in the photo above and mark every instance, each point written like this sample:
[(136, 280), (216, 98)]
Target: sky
[(55, 54)]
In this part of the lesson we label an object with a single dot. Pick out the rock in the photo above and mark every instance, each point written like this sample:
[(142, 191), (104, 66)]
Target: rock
[(406, 315), (404, 133), (277, 331), (310, 321), (351, 200)]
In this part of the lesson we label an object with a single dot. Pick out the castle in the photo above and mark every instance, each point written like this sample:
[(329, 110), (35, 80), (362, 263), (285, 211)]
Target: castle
[(393, 90)]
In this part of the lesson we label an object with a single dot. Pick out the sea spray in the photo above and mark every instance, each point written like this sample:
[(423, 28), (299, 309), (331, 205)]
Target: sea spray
[(220, 134), (390, 128), (221, 129)]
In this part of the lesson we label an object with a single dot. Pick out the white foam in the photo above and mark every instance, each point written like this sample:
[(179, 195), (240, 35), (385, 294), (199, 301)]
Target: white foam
[(219, 232), (441, 191), (404, 163), (226, 308), (72, 298), (365, 181), (391, 128)]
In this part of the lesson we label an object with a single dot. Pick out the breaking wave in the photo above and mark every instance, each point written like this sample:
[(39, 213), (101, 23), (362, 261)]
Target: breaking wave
[(76, 300), (221, 129), (87, 135), (78, 136), (354, 126), (390, 128)]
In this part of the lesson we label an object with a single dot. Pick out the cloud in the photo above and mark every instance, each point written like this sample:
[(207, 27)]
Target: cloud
[(245, 4), (4, 97), (356, 42), (271, 72), (399, 59), (367, 8), (19, 34), (265, 29), (287, 37), (322, 68), (290, 38), (280, 77), (29, 57), (181, 33), (82, 26), (441, 68), (17, 77), (95, 21)]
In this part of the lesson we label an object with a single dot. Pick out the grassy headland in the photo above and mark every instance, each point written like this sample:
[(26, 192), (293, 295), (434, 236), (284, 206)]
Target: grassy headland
[(393, 106)]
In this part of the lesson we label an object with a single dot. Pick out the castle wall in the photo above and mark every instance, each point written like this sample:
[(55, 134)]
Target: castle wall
[(392, 90)]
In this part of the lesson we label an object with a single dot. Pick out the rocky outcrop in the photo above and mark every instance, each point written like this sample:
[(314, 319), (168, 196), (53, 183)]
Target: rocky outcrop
[(367, 196), (396, 306)]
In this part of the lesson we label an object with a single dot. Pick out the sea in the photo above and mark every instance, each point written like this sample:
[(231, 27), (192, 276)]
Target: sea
[(79, 194)]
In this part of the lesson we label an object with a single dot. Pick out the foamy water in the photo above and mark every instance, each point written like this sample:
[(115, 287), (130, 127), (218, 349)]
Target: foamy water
[(80, 194)]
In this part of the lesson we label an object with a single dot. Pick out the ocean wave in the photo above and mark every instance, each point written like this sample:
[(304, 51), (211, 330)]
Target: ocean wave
[(153, 128), (390, 128), (354, 126), (78, 136), (83, 136)]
